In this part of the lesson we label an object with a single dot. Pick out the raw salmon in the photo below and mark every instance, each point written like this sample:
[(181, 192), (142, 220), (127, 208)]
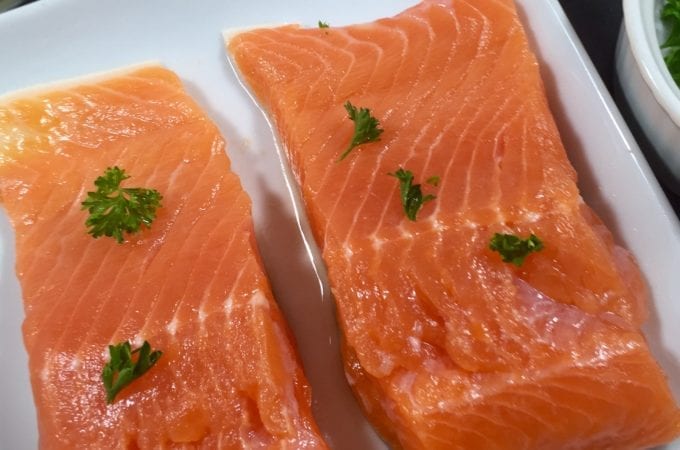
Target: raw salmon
[(445, 345), (192, 284)]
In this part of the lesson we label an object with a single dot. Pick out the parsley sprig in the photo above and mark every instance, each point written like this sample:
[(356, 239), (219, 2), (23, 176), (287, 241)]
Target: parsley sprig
[(122, 370), (323, 24), (365, 128), (670, 13), (412, 198), (433, 180), (114, 209), (513, 249)]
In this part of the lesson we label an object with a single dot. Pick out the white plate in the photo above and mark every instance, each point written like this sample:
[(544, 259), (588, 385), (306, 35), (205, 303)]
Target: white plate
[(54, 39)]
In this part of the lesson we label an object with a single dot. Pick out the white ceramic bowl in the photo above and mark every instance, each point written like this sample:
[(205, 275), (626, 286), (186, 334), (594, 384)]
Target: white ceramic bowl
[(651, 92)]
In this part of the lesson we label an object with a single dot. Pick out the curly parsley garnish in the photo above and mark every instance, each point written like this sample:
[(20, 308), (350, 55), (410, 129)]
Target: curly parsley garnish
[(671, 15), (412, 198), (323, 24), (115, 210), (514, 249), (121, 370), (365, 128)]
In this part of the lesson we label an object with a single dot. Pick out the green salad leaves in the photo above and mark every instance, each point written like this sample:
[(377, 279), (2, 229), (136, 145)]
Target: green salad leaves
[(670, 14)]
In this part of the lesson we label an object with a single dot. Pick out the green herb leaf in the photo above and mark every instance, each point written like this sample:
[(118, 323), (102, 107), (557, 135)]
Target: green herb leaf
[(514, 249), (412, 198), (671, 9), (115, 210), (323, 24), (670, 13), (433, 180), (365, 128), (122, 370)]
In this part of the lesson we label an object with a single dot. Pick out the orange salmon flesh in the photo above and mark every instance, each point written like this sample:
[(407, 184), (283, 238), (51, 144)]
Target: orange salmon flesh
[(192, 284), (445, 345)]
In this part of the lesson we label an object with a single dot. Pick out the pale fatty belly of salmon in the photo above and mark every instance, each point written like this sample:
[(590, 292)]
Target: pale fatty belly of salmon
[(192, 284), (445, 345)]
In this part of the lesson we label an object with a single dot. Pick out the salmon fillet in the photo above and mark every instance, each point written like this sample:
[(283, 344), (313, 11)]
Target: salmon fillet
[(192, 284), (445, 345)]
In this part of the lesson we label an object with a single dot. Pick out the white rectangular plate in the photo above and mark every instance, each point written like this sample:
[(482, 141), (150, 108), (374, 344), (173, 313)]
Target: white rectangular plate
[(56, 39)]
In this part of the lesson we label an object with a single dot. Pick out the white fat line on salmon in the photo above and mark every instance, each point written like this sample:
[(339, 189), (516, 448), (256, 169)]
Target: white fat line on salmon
[(258, 299), (470, 224), (22, 131), (45, 374), (405, 381), (137, 341), (437, 225), (171, 327), (377, 242), (527, 216), (387, 364), (414, 343), (605, 353), (228, 306), (470, 395), (532, 216), (216, 147), (347, 249), (350, 379), (75, 363), (405, 233)]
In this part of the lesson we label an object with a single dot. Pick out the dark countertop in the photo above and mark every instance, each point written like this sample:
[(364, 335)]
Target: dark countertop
[(597, 23)]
